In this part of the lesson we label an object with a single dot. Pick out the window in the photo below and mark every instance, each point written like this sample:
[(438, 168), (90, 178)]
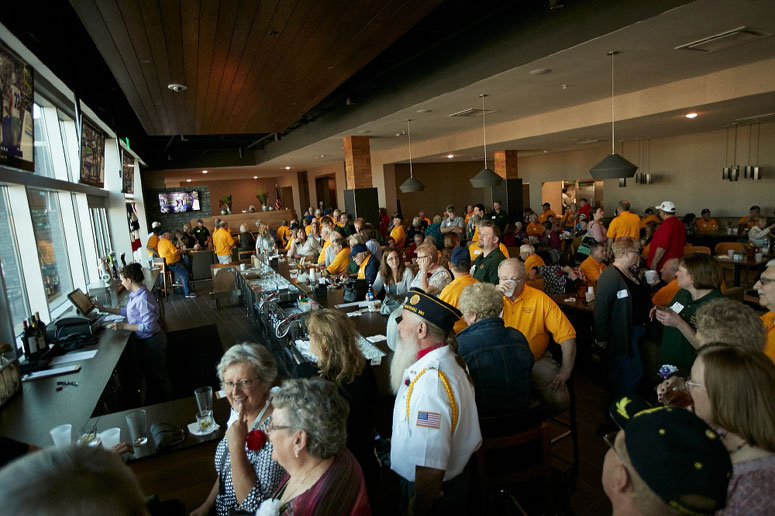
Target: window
[(80, 233), (12, 272), (43, 164), (64, 127), (99, 222), (52, 248)]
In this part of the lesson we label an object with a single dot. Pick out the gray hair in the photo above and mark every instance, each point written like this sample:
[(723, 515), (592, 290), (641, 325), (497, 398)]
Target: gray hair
[(527, 248), (771, 263), (257, 356), (515, 262), (481, 299), (731, 322), (416, 221), (78, 480), (316, 408)]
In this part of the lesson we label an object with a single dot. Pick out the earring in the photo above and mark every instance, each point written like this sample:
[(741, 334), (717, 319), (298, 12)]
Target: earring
[(296, 452)]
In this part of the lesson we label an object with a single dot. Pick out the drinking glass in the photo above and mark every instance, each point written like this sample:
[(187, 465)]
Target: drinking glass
[(137, 427), (204, 399), (205, 420), (62, 435)]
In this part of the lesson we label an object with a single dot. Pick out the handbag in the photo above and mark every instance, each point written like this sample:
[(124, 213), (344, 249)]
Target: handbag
[(166, 435), (355, 290)]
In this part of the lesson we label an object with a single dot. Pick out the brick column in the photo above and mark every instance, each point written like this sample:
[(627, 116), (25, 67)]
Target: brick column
[(360, 197)]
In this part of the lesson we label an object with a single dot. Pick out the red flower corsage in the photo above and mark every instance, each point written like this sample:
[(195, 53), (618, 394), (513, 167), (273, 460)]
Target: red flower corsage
[(256, 440)]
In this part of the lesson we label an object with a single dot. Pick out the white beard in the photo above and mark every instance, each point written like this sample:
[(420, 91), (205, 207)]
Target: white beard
[(405, 355)]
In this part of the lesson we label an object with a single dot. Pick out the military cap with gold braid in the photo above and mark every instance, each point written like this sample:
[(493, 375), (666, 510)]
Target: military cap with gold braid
[(432, 309), (679, 457)]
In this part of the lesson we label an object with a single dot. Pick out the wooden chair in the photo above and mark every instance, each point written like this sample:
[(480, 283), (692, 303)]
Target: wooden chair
[(689, 249), (245, 255), (723, 247), (494, 461)]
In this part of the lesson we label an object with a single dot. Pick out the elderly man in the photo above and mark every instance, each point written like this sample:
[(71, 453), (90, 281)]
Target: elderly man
[(326, 255), (669, 271), (486, 264), (593, 266), (584, 208), (498, 216), (663, 462), (669, 239), (624, 224), (527, 253), (748, 221), (452, 223), (398, 234), (171, 255), (223, 243), (534, 228), (341, 260), (459, 265), (761, 233), (706, 223), (766, 290), (435, 419), (546, 213), (368, 266), (537, 316), (347, 226)]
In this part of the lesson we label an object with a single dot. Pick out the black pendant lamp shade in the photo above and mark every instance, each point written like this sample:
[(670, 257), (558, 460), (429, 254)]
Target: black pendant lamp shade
[(486, 178), (411, 185), (613, 166)]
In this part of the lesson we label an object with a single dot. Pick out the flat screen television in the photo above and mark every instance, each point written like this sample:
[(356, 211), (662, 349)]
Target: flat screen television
[(179, 202)]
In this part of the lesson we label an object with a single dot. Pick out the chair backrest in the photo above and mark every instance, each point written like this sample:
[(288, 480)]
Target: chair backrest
[(537, 283), (224, 277), (200, 264), (735, 293), (245, 255), (689, 249), (723, 247)]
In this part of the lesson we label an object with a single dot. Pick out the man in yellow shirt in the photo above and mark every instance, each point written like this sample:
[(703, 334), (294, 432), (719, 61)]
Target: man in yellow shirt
[(341, 259), (664, 295), (223, 242), (534, 228), (469, 213), (282, 233), (537, 316), (593, 266), (706, 223), (650, 217), (459, 265), (624, 224), (171, 255), (153, 241), (750, 220), (544, 216), (766, 289), (327, 254), (527, 254), (398, 233)]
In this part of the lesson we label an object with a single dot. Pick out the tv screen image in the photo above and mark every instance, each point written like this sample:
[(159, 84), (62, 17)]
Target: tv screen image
[(179, 202)]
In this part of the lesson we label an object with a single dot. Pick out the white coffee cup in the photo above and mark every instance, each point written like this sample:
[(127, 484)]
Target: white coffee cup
[(651, 277), (110, 437), (242, 266)]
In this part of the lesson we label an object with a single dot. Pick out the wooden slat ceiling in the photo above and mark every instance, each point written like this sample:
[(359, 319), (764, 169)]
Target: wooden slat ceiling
[(251, 66)]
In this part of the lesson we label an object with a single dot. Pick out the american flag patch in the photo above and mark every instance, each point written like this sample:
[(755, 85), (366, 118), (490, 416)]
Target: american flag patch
[(429, 419)]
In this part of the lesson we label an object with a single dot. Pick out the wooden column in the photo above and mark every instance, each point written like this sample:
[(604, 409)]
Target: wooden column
[(357, 162), (506, 164), (509, 192)]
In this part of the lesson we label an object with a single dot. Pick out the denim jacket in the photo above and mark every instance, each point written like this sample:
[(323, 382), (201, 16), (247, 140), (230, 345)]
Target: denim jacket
[(500, 363)]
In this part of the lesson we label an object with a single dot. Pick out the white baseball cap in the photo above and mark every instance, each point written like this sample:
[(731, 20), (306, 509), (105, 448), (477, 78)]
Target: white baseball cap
[(666, 206), (156, 224)]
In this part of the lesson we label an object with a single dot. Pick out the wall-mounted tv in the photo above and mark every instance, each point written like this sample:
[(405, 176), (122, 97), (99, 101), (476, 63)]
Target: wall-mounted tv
[(179, 202), (16, 126)]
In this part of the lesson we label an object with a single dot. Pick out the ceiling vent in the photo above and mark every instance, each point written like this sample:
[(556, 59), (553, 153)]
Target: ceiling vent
[(728, 39), (474, 112)]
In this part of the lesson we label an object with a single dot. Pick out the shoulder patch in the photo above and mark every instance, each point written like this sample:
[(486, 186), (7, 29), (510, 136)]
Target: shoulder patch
[(428, 419)]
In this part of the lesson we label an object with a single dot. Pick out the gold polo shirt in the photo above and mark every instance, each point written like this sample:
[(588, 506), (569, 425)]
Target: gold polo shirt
[(537, 316)]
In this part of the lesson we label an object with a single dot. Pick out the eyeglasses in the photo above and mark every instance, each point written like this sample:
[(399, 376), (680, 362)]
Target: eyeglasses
[(422, 257), (271, 427), (610, 439), (690, 384), (515, 280), (766, 281), (242, 384)]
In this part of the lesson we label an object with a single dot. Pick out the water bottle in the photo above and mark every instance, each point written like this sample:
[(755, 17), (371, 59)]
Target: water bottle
[(370, 298)]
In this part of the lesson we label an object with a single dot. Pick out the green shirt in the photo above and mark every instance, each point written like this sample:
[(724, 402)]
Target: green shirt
[(676, 350), (486, 268)]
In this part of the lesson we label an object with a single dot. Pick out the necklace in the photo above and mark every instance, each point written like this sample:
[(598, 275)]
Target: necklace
[(300, 485)]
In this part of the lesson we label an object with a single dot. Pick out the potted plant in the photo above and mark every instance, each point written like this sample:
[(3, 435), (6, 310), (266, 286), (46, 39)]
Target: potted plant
[(262, 199), (225, 205)]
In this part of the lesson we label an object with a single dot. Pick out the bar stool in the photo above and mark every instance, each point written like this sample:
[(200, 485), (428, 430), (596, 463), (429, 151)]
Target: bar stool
[(166, 275)]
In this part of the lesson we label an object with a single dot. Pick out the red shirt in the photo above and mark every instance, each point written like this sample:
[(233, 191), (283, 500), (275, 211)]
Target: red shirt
[(671, 236), (585, 211)]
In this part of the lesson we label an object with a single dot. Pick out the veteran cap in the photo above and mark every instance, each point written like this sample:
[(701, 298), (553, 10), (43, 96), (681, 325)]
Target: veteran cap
[(679, 457), (358, 248), (432, 309), (460, 257)]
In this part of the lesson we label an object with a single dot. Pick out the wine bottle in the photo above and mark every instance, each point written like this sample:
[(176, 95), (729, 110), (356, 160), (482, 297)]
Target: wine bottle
[(26, 341), (40, 328), (32, 337)]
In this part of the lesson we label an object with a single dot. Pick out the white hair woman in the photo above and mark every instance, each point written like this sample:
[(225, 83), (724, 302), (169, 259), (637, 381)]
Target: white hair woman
[(432, 278), (246, 241), (247, 474), (309, 435)]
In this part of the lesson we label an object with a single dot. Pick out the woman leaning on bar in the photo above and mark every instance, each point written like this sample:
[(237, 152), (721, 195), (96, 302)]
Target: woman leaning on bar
[(309, 432), (149, 342), (247, 474)]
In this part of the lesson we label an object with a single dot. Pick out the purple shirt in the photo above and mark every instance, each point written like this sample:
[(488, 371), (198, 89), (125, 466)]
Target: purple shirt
[(143, 311)]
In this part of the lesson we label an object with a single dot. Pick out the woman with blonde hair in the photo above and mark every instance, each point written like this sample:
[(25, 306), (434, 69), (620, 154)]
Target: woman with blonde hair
[(334, 340), (264, 242), (733, 390)]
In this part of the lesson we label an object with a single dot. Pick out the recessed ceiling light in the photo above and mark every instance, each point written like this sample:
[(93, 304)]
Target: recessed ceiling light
[(204, 171), (255, 177), (691, 115), (177, 88), (450, 156), (188, 180), (287, 168), (540, 71), (424, 110)]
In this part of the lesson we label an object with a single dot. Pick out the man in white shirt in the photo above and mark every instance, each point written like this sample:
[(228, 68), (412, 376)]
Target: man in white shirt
[(451, 223)]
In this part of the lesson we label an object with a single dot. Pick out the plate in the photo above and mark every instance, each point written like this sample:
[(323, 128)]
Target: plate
[(193, 428)]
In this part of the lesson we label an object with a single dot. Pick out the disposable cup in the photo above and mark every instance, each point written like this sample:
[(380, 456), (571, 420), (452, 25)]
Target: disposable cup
[(731, 253), (62, 435), (110, 437)]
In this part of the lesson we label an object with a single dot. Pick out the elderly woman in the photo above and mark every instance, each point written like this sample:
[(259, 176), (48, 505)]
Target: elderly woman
[(622, 305), (247, 472), (246, 241), (760, 234), (334, 340), (368, 266), (394, 276), (733, 390), (264, 242), (431, 277), (303, 246), (699, 276), (499, 358), (309, 434)]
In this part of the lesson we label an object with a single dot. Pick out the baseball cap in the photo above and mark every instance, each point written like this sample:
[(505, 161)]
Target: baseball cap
[(432, 309), (460, 256), (358, 248), (156, 224), (666, 206), (679, 457), (199, 220)]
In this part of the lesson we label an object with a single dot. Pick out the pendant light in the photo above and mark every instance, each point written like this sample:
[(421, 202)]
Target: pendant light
[(411, 185), (613, 166), (486, 177)]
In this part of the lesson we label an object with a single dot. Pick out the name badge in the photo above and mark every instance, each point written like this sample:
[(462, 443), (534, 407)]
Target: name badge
[(622, 294), (677, 307)]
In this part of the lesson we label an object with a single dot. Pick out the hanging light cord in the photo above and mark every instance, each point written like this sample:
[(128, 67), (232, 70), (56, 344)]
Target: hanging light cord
[(409, 134), (484, 129), (613, 139)]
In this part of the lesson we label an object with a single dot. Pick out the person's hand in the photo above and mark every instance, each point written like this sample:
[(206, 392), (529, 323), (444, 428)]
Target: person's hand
[(559, 380), (669, 318), (672, 383), (652, 313), (99, 307), (237, 433), (504, 287), (115, 326), (122, 448)]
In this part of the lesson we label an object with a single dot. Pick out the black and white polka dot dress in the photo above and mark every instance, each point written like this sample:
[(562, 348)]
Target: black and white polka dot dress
[(268, 476)]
